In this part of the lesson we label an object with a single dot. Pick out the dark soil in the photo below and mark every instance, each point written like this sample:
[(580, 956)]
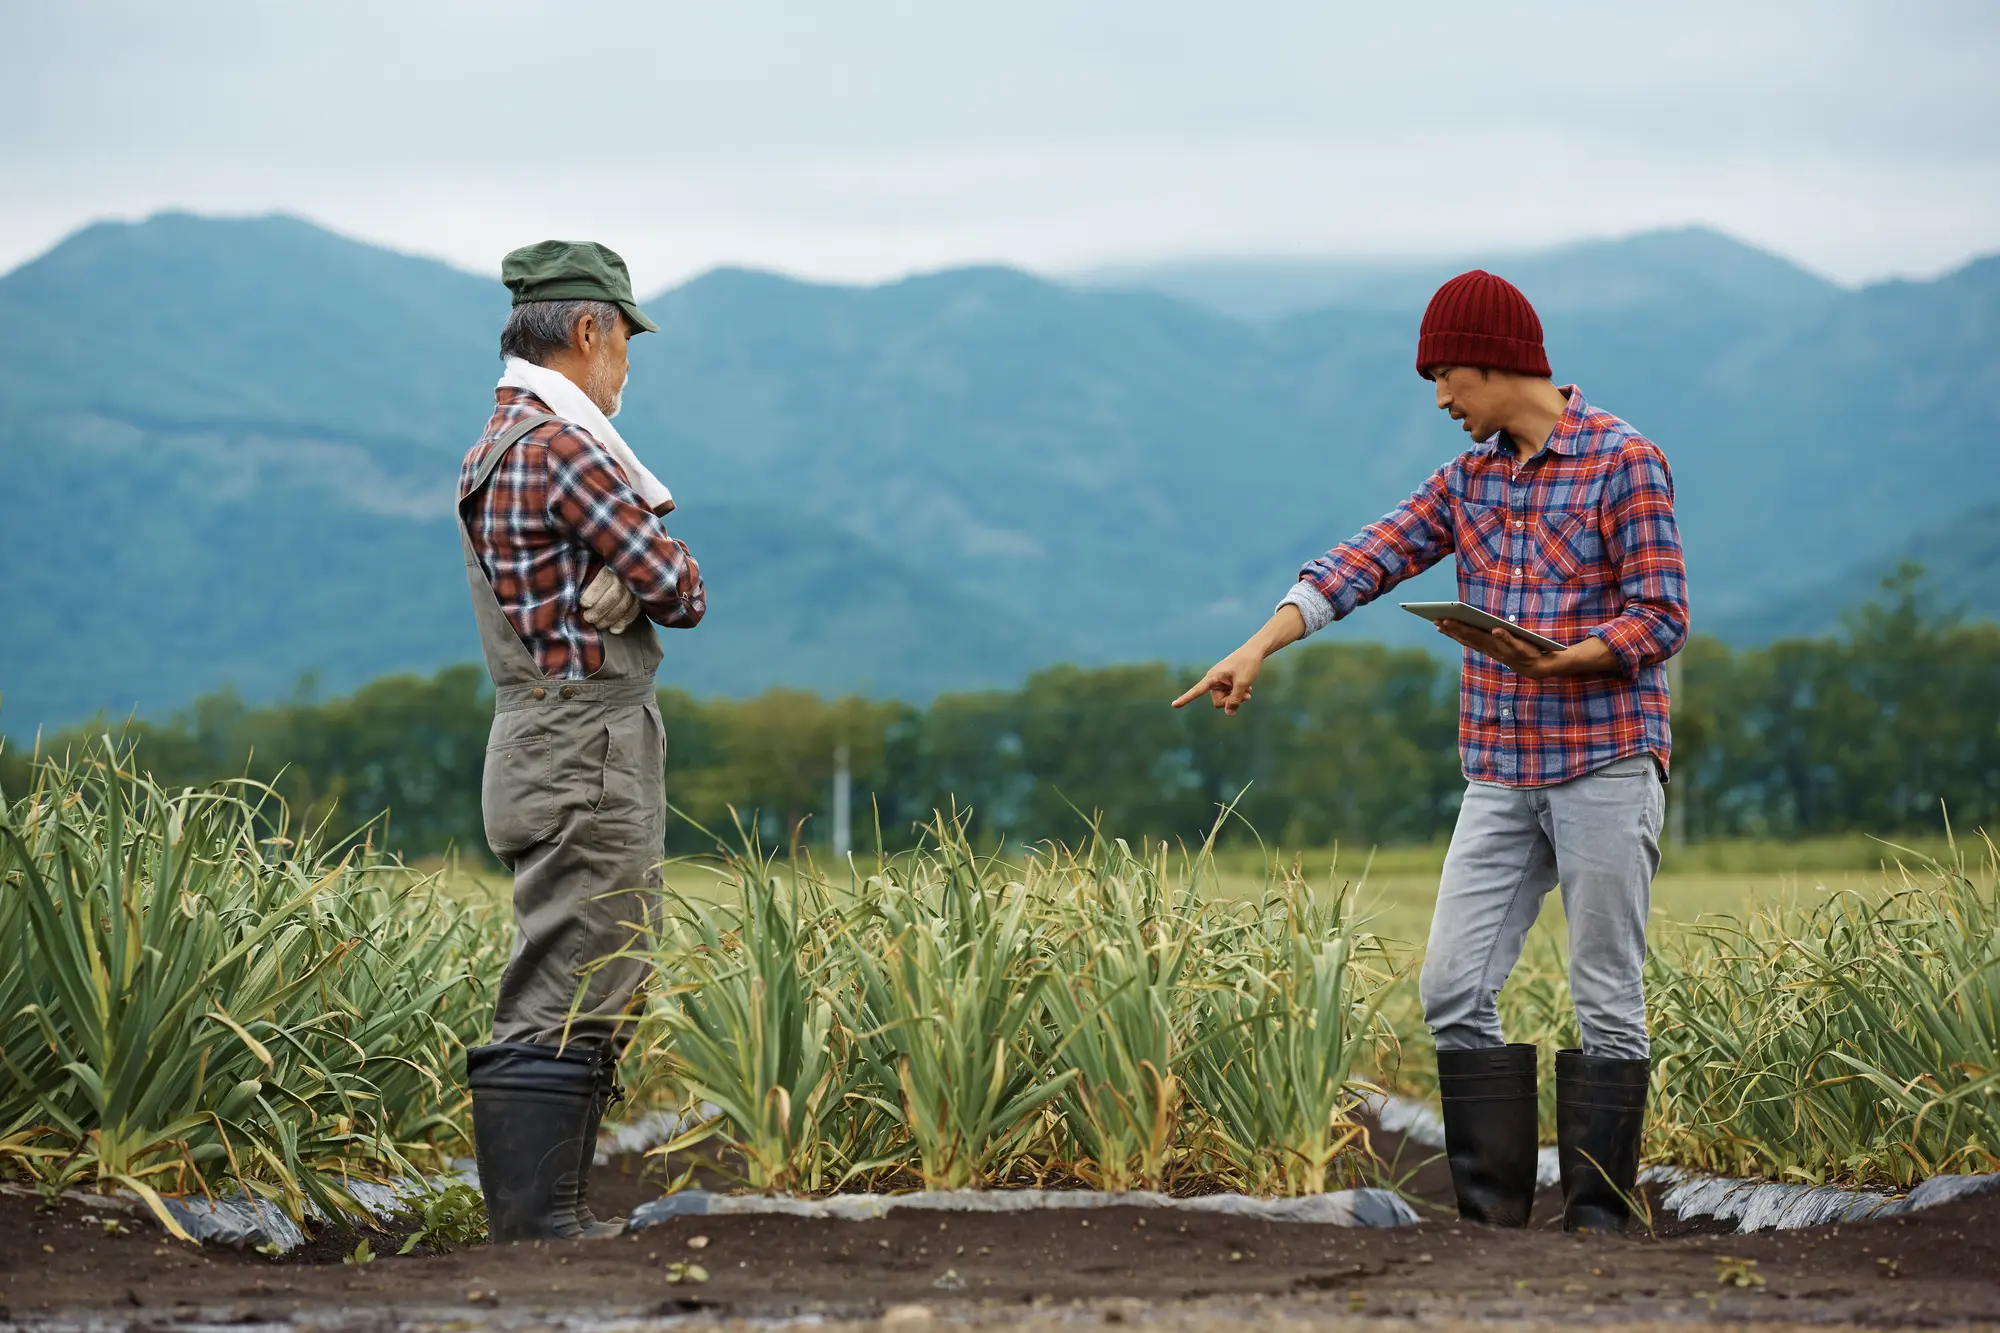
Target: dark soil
[(1940, 1266)]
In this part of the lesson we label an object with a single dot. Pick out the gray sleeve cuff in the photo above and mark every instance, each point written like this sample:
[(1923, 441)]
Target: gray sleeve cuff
[(1312, 605)]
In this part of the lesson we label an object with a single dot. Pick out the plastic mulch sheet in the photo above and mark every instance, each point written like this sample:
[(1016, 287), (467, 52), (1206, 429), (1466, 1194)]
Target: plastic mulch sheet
[(1342, 1208), (241, 1220)]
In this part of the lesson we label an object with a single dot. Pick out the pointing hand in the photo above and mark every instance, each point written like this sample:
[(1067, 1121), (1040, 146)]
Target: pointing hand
[(1228, 682)]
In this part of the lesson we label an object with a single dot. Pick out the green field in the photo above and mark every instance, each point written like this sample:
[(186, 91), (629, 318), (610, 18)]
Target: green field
[(1104, 1015), (1395, 887)]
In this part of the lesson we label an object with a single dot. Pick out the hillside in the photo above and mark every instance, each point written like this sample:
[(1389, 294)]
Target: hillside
[(1960, 557), (227, 455), (227, 451)]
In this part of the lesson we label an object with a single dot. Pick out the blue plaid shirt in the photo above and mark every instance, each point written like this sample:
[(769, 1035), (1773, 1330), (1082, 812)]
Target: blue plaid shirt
[(1579, 540)]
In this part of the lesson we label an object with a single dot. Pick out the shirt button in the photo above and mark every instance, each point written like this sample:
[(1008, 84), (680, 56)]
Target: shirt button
[(1520, 573), (1506, 715), (569, 692), (539, 692)]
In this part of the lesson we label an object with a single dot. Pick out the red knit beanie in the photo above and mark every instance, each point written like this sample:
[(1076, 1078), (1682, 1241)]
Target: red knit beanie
[(1478, 320)]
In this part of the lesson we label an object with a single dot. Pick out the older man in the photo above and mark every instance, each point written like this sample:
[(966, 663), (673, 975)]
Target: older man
[(570, 568), (1562, 520)]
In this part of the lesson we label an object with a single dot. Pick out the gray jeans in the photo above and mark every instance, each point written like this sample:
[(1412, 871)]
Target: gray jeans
[(1599, 837)]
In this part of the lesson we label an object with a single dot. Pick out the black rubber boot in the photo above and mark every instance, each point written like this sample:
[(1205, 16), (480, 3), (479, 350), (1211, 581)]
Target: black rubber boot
[(1489, 1131), (531, 1107), (608, 1092), (1600, 1113)]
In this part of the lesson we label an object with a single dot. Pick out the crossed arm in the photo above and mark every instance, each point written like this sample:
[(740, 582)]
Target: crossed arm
[(644, 569)]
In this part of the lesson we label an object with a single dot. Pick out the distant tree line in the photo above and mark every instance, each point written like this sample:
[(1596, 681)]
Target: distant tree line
[(1885, 727), (1873, 729)]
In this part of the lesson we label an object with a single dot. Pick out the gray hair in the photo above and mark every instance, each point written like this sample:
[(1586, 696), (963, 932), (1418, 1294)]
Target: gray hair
[(535, 329)]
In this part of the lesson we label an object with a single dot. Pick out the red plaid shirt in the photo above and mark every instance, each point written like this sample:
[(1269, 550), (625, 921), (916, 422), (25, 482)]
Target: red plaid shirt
[(1579, 540), (556, 510)]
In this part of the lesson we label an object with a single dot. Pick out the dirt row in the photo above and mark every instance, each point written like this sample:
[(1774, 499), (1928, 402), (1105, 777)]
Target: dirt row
[(63, 1265)]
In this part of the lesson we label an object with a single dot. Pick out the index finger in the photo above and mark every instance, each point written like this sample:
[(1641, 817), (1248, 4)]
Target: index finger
[(1207, 684)]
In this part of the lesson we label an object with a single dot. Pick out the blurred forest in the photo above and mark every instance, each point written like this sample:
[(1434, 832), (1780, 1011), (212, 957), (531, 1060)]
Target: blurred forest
[(1876, 728)]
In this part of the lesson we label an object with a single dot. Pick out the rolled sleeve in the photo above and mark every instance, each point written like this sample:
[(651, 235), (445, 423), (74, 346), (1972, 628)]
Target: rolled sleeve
[(1631, 643), (1313, 607)]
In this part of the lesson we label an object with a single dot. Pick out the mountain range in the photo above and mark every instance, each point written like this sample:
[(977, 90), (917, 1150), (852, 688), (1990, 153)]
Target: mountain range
[(228, 450), (1686, 266)]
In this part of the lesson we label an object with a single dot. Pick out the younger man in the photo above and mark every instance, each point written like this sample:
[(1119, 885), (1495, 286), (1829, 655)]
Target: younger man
[(1562, 519)]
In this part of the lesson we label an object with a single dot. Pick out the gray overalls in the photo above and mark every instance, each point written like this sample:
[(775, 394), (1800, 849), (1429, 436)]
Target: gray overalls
[(574, 799)]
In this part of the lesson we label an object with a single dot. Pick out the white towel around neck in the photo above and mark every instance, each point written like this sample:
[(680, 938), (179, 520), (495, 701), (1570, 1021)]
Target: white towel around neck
[(570, 403)]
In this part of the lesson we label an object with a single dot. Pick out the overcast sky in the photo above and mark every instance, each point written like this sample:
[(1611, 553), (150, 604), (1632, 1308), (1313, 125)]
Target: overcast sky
[(861, 139)]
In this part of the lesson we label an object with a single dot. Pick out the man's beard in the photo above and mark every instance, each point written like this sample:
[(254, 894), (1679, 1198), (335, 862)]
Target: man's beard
[(608, 397)]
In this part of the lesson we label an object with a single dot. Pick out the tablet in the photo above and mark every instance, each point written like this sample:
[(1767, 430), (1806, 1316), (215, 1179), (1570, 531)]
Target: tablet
[(1472, 615)]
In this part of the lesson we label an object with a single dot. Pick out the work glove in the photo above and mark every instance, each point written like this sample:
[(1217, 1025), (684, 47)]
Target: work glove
[(608, 604)]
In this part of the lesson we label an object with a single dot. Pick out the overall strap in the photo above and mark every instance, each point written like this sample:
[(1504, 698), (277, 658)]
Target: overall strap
[(508, 661), (506, 440)]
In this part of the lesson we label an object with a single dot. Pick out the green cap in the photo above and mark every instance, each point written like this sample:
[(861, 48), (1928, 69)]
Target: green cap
[(572, 271)]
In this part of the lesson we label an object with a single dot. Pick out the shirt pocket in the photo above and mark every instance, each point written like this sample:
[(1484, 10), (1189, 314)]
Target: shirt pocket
[(517, 797), (1480, 535), (1568, 545)]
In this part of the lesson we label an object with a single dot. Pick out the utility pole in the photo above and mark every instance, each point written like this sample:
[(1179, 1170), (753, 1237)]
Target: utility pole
[(1676, 804), (843, 804)]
